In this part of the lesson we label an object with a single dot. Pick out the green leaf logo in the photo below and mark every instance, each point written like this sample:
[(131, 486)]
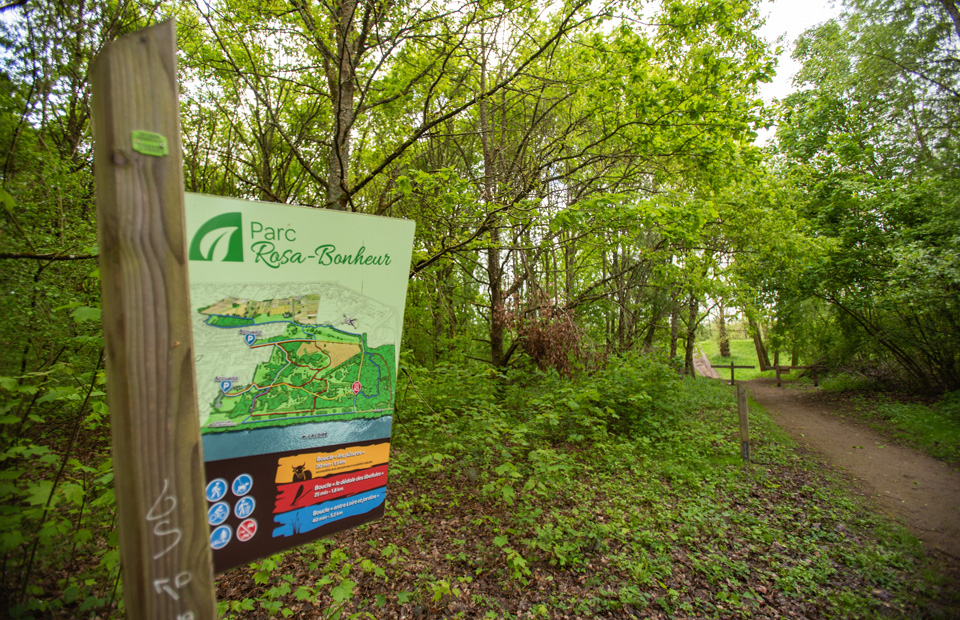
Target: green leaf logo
[(219, 239)]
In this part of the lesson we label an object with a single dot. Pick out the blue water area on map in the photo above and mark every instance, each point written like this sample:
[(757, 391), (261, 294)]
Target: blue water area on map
[(312, 517), (234, 444)]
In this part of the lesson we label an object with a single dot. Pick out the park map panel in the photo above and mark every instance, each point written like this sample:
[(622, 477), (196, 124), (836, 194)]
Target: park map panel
[(296, 362), (313, 370)]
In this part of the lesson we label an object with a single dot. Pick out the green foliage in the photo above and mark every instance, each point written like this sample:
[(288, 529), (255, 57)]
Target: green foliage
[(869, 144), (57, 492), (609, 501)]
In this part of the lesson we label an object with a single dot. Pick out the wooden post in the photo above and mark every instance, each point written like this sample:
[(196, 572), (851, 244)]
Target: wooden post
[(732, 366), (744, 428), (816, 377), (778, 376), (158, 466)]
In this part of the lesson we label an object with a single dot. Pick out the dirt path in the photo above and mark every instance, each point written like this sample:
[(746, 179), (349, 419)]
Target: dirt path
[(702, 366), (922, 493)]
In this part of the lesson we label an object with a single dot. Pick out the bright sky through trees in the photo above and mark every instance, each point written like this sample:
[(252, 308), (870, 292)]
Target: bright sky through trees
[(789, 18)]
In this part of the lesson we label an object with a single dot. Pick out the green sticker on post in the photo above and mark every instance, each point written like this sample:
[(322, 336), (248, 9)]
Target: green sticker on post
[(150, 143)]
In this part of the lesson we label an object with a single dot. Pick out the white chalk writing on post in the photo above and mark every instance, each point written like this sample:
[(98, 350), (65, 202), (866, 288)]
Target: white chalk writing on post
[(160, 517), (160, 520)]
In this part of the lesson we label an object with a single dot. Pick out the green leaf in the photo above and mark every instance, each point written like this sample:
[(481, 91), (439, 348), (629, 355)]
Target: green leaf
[(72, 492), (38, 493), (85, 313), (10, 540), (8, 201), (344, 591)]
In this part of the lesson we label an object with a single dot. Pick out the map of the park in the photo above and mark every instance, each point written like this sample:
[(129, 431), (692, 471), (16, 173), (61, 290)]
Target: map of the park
[(313, 371)]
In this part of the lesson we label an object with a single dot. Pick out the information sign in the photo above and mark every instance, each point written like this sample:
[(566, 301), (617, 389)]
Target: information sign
[(297, 315)]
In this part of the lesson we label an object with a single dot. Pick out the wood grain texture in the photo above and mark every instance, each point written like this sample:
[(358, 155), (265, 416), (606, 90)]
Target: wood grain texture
[(158, 465)]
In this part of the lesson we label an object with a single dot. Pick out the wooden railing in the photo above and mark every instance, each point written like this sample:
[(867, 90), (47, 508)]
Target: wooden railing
[(731, 366), (786, 370)]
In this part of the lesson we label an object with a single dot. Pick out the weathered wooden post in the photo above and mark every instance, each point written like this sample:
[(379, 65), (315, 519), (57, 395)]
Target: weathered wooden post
[(732, 366), (158, 466), (778, 375), (744, 428)]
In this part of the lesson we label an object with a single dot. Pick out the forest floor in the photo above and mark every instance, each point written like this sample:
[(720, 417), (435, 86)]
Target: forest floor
[(920, 492), (668, 528)]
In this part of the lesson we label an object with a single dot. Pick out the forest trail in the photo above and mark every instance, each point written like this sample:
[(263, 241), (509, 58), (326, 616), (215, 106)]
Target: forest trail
[(920, 492), (702, 365)]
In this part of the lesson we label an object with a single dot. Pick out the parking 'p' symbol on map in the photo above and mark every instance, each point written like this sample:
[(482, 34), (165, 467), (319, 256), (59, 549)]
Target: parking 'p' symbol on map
[(250, 338), (225, 385)]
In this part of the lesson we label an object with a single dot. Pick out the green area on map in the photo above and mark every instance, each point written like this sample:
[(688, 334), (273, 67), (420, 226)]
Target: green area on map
[(314, 372)]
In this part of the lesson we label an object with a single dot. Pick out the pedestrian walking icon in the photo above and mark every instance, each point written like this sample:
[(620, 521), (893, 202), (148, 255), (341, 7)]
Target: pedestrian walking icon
[(220, 537), (216, 489), (242, 484), (244, 507), (218, 513)]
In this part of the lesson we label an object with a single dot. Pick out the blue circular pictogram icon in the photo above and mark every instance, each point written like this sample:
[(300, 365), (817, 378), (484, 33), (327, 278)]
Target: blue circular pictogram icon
[(216, 490), (250, 338), (220, 537), (218, 513), (242, 484), (244, 507)]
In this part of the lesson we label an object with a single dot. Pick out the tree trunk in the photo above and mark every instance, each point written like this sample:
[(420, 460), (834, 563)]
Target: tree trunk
[(674, 326), (762, 356), (494, 266), (691, 336), (722, 334), (342, 93), (651, 333)]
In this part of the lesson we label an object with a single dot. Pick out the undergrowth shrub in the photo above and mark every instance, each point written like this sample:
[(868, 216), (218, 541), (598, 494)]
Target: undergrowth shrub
[(515, 412), (845, 381)]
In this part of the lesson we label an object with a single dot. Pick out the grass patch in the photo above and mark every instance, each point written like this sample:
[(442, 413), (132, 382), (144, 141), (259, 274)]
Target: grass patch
[(933, 428), (846, 382), (742, 353)]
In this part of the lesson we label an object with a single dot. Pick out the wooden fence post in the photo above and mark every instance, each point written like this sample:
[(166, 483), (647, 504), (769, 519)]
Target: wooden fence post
[(744, 428), (158, 466), (732, 366)]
